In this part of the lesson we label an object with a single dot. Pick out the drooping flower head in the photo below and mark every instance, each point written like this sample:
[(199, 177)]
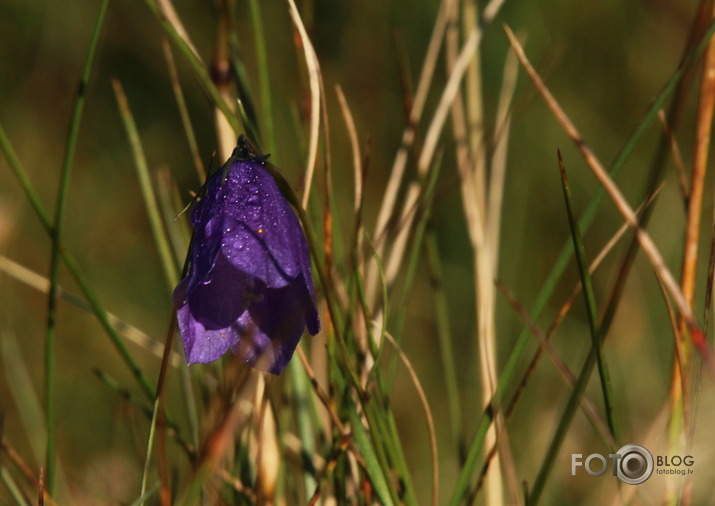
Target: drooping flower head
[(248, 287)]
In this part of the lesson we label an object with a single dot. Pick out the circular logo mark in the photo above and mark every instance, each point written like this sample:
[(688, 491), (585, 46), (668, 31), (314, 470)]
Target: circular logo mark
[(635, 464)]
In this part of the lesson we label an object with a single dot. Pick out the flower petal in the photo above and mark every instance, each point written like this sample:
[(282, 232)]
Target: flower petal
[(211, 309), (271, 327), (261, 234)]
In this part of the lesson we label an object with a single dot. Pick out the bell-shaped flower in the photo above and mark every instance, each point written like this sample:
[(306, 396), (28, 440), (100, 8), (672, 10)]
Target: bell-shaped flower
[(248, 287)]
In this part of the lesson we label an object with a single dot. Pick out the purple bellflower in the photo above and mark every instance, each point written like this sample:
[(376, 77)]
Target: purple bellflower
[(248, 287)]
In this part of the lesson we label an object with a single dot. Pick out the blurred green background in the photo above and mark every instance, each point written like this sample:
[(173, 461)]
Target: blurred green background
[(604, 61)]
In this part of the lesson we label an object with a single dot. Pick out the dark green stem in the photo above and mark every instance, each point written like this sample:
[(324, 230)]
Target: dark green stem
[(55, 235)]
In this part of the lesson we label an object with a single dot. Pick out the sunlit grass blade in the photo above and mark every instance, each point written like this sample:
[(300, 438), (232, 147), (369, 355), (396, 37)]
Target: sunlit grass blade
[(168, 260), (147, 495), (177, 231), (591, 309), (397, 456), (29, 404), (307, 427), (147, 460), (389, 199), (374, 470), (13, 488), (311, 61)]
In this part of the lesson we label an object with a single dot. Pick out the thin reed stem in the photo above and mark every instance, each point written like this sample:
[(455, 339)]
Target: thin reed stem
[(55, 257)]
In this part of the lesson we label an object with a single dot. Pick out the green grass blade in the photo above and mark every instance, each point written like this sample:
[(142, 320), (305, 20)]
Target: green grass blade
[(564, 422), (372, 463), (101, 315), (590, 299), (304, 422), (149, 446), (62, 191), (445, 339), (147, 495), (18, 379), (12, 487)]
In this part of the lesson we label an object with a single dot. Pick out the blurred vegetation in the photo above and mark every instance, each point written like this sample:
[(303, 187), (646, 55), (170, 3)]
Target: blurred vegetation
[(603, 61)]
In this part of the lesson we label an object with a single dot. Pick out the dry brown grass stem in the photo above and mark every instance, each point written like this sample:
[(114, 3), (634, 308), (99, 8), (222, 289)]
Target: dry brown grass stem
[(311, 61), (387, 208), (645, 241), (482, 199), (563, 369), (677, 155), (697, 180), (434, 131)]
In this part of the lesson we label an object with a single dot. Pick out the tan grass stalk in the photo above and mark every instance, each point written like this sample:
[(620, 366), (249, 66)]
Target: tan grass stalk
[(181, 102), (311, 61), (268, 455), (481, 198), (221, 77), (354, 145), (434, 131), (387, 208), (42, 284), (169, 12), (677, 155), (697, 181), (619, 201)]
